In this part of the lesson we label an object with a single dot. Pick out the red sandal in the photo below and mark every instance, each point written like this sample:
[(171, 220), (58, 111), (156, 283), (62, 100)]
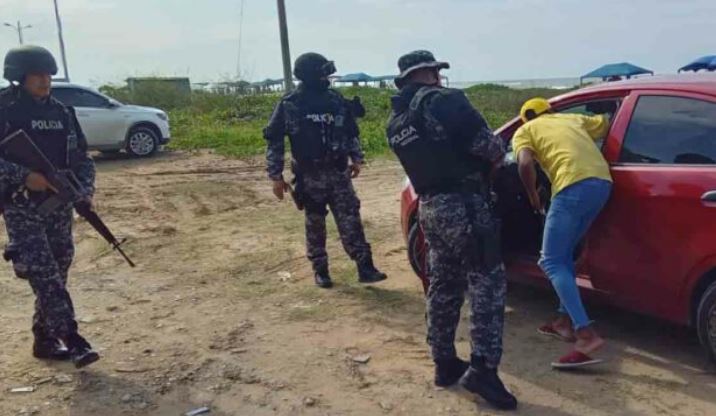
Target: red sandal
[(550, 331), (575, 359)]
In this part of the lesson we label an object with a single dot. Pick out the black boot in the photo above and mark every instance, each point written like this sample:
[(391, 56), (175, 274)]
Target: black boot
[(81, 352), (484, 381), (367, 273), (448, 371), (50, 349), (323, 278)]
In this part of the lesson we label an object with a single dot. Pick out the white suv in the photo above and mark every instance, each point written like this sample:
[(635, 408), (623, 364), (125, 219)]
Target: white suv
[(111, 126)]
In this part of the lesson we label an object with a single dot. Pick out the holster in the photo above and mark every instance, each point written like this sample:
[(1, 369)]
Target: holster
[(297, 191), (491, 245), (487, 236), (302, 198)]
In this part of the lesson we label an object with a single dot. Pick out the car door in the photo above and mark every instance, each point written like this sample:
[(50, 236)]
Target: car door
[(519, 226), (661, 219), (102, 123)]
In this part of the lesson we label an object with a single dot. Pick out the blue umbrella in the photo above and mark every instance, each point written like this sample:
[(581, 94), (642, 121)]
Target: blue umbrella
[(624, 69), (358, 77), (705, 62)]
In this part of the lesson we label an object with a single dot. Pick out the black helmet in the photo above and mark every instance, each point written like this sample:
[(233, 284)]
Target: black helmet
[(313, 66), (416, 60), (28, 59)]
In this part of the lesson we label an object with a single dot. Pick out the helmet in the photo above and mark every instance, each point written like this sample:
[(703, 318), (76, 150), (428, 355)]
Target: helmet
[(416, 60), (28, 59), (537, 105), (313, 66)]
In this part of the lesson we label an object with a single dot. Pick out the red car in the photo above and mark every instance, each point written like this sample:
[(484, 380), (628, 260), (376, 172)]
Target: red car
[(653, 248)]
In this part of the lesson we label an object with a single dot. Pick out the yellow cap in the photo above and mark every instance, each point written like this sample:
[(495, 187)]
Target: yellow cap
[(539, 105)]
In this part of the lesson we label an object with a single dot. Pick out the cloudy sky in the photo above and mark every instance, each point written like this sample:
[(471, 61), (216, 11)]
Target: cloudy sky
[(109, 40)]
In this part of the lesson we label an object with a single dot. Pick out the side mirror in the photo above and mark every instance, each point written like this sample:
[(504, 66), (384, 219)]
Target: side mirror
[(112, 104)]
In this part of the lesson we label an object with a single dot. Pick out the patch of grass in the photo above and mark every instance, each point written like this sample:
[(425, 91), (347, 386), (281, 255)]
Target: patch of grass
[(232, 125)]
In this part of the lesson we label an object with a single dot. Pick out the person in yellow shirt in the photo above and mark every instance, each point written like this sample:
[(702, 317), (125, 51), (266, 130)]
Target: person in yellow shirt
[(564, 146)]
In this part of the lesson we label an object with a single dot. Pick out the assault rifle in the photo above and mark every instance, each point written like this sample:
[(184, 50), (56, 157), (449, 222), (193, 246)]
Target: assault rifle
[(19, 148)]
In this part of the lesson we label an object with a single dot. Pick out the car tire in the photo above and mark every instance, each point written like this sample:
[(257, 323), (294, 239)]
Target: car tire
[(706, 321), (142, 142), (417, 253)]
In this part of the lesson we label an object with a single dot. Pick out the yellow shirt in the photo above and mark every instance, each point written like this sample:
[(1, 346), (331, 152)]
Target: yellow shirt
[(564, 146)]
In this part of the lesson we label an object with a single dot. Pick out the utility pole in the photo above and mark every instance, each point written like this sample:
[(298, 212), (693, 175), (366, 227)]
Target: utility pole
[(19, 28), (62, 42), (283, 27), (241, 38)]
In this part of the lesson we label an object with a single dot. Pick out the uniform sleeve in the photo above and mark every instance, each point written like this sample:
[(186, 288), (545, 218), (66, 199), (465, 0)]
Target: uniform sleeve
[(11, 174), (83, 166), (596, 126), (522, 139), (355, 152), (275, 134), (464, 123)]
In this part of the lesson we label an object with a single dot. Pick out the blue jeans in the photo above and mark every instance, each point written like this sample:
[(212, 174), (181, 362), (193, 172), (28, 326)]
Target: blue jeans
[(572, 212)]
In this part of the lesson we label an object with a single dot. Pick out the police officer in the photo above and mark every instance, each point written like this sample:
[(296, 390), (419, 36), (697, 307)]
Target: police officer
[(40, 246), (323, 133), (447, 151)]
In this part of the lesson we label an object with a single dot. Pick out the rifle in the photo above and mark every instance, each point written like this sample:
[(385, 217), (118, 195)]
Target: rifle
[(19, 148)]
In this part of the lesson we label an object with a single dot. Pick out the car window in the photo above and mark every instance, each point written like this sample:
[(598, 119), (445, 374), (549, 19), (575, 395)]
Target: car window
[(671, 130), (608, 107), (592, 108), (64, 95), (76, 97)]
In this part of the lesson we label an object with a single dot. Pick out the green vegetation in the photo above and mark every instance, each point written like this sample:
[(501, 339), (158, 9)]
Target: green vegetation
[(232, 125)]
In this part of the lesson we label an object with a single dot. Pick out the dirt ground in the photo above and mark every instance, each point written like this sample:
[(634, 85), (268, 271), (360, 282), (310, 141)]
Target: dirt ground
[(222, 312)]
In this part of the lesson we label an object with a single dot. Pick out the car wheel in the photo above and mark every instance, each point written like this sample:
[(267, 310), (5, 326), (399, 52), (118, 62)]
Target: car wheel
[(417, 253), (706, 321), (142, 142)]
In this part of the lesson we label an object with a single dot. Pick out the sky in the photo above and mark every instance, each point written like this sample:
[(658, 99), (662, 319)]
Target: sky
[(110, 40)]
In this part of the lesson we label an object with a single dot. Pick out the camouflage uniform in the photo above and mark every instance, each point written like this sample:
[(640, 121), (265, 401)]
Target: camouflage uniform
[(323, 134), (452, 224), (461, 230), (40, 246), (448, 151), (334, 189)]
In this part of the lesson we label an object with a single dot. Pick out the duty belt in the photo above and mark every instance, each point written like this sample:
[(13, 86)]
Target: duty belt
[(311, 165), (465, 186)]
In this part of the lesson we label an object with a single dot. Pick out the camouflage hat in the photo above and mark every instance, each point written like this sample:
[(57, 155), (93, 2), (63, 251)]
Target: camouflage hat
[(417, 60), (28, 59)]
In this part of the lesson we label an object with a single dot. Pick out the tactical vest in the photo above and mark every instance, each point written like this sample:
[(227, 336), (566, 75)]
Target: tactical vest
[(318, 126), (423, 147), (50, 125)]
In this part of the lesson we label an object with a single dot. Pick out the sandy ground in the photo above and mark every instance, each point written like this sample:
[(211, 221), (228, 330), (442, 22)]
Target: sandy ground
[(222, 312)]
